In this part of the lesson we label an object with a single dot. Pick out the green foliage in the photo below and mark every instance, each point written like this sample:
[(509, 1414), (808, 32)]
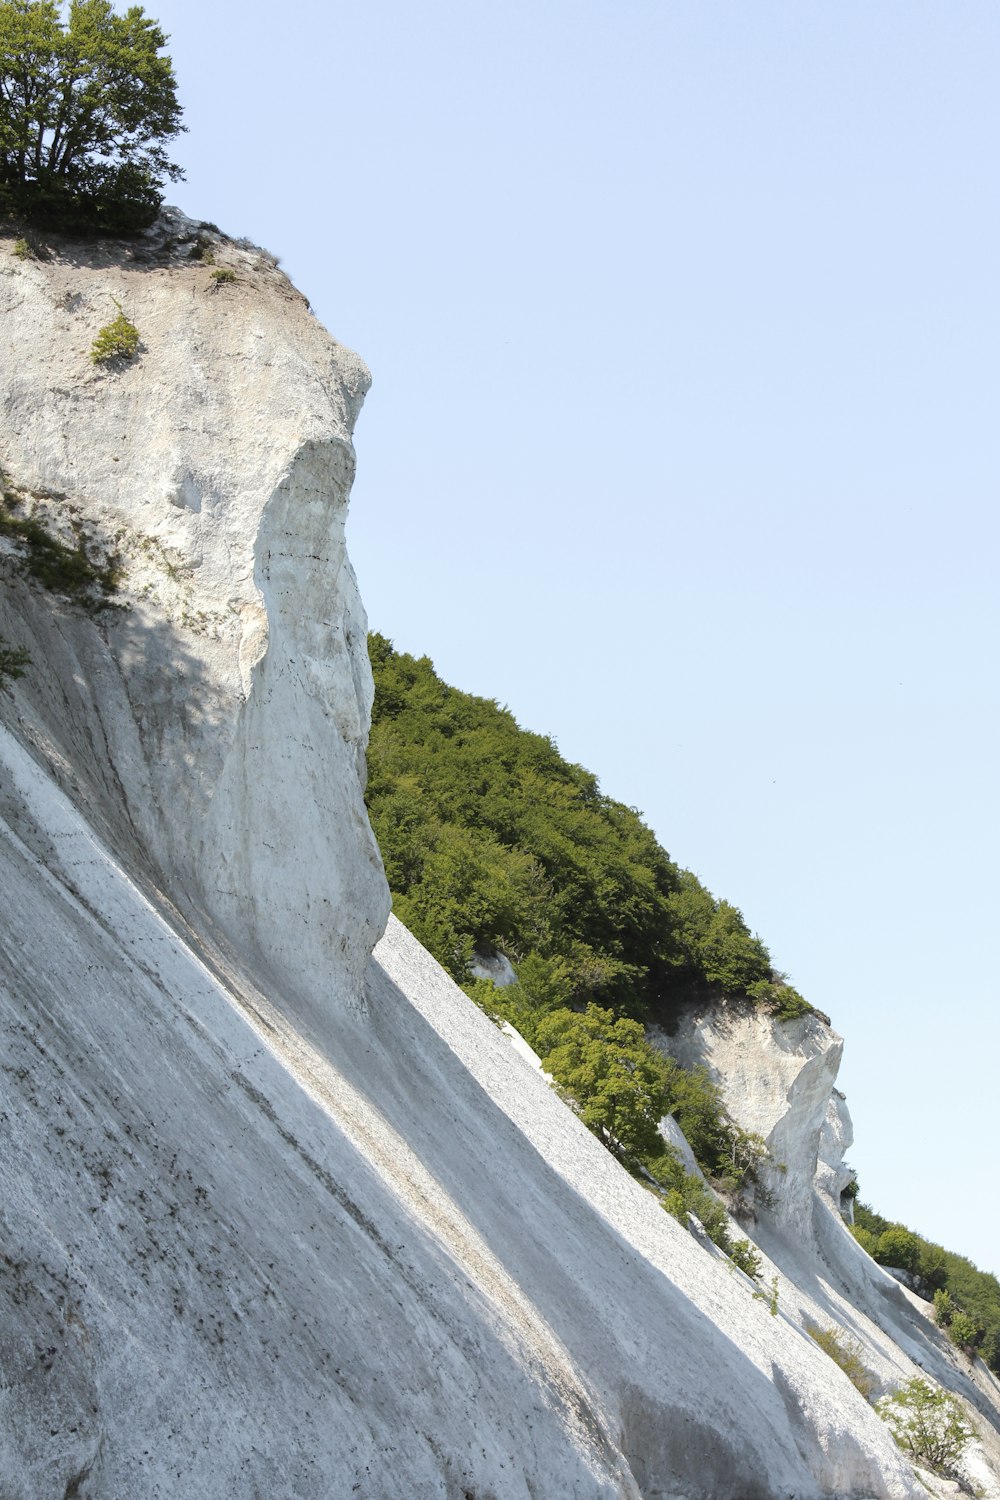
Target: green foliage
[(899, 1247), (770, 1297), (492, 841), (713, 941), (779, 998), (865, 1238), (944, 1308), (88, 104), (927, 1423), (621, 1084), (693, 1196), (964, 1331), (22, 250), (967, 1289), (118, 339), (66, 569), (847, 1353), (223, 275), (14, 660), (743, 1255)]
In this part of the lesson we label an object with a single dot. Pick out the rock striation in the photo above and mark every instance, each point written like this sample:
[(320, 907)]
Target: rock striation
[(282, 1214)]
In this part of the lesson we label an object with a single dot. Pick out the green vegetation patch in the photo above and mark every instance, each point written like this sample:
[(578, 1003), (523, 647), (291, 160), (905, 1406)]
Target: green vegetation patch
[(492, 842), (928, 1424), (846, 1352), (74, 570), (966, 1300), (118, 339)]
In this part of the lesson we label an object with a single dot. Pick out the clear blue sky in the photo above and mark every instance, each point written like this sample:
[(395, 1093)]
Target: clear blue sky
[(683, 443)]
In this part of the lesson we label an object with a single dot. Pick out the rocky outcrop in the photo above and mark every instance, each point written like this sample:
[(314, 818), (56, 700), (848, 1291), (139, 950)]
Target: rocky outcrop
[(279, 1218), (778, 1079), (215, 725)]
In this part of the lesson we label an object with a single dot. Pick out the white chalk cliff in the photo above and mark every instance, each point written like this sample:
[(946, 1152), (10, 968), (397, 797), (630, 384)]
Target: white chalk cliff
[(282, 1216)]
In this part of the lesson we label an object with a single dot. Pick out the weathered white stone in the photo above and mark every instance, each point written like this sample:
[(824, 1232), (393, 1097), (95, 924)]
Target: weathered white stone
[(781, 1073), (278, 1219), (777, 1078), (225, 711), (496, 967)]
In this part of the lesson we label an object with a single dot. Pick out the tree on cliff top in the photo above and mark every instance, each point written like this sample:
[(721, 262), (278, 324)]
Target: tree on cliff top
[(86, 106)]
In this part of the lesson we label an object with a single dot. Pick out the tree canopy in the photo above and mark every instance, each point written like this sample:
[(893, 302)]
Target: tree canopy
[(86, 107), (961, 1290), (492, 841)]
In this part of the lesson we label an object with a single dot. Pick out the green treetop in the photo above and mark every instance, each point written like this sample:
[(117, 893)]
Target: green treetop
[(86, 107)]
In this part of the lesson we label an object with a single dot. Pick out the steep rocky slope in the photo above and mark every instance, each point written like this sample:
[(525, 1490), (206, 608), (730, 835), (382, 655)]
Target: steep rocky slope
[(279, 1219)]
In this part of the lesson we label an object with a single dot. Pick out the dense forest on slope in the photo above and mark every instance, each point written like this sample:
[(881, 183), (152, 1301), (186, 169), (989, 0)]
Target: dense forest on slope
[(493, 843), (966, 1300)]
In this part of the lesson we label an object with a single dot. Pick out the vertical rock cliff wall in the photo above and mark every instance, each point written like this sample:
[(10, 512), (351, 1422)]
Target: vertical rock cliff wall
[(216, 723), (778, 1079)]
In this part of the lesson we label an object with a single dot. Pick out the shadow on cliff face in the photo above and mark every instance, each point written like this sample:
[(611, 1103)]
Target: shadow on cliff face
[(106, 721)]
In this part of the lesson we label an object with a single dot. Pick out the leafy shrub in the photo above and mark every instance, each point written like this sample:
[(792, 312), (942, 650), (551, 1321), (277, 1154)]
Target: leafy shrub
[(223, 275), (22, 250), (847, 1353), (693, 1196), (13, 662), (118, 339), (944, 1308), (900, 1248), (865, 1238), (784, 1002), (620, 1083), (743, 1255), (964, 1331), (927, 1423)]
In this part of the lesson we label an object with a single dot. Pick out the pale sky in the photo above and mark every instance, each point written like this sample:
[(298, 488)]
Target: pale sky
[(684, 328)]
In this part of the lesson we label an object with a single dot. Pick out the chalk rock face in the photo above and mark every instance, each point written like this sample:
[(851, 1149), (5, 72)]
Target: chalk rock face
[(281, 1215), (216, 726), (777, 1077), (836, 1137)]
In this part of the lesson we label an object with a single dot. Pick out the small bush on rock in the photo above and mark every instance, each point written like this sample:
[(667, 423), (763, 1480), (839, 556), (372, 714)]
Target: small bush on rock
[(692, 1196), (845, 1352), (745, 1258), (927, 1423), (964, 1331), (944, 1308), (118, 339)]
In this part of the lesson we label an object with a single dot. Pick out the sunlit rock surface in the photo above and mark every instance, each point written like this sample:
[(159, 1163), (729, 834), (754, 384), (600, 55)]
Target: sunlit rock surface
[(279, 1219), (778, 1079)]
